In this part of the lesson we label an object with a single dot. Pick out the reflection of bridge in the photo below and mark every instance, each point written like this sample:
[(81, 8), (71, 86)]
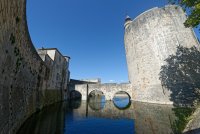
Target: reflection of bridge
[(148, 118), (109, 90)]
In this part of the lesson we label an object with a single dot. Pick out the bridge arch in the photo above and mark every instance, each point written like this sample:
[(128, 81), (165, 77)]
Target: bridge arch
[(95, 92), (109, 90), (75, 94), (96, 100), (121, 100), (122, 92)]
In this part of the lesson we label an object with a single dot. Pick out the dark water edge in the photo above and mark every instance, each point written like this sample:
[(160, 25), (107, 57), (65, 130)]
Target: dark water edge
[(80, 117), (50, 120)]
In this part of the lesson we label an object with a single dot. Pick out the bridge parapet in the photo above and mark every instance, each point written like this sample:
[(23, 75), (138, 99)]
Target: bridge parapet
[(108, 89)]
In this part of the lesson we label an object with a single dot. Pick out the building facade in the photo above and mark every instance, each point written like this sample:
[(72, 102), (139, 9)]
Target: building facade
[(58, 74)]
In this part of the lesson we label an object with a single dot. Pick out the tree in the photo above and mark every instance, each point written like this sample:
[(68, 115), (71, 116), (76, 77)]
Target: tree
[(193, 7)]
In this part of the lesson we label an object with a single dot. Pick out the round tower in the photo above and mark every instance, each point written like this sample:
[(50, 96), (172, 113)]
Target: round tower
[(150, 39)]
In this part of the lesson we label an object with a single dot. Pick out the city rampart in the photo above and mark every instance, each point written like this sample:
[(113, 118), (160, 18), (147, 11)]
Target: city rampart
[(23, 73)]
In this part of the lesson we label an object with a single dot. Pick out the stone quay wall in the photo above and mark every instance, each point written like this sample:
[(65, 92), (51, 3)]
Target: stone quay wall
[(150, 39), (22, 71)]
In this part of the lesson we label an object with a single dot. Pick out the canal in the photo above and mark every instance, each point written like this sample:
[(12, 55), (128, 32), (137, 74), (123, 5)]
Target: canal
[(97, 116)]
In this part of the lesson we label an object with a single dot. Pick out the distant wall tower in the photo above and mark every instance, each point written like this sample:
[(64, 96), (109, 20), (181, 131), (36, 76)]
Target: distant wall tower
[(149, 39)]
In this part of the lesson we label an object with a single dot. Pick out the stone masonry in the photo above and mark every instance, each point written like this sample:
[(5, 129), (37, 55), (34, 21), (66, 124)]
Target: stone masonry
[(23, 73), (58, 70), (149, 40), (109, 90), (30, 81)]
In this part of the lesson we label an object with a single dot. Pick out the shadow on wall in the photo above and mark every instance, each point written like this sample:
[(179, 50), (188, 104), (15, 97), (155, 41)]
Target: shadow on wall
[(181, 75)]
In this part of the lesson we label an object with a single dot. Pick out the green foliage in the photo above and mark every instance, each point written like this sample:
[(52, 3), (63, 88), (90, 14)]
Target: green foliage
[(193, 6), (182, 118)]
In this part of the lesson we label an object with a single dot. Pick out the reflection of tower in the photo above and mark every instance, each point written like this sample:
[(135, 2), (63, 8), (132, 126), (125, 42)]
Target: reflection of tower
[(150, 39)]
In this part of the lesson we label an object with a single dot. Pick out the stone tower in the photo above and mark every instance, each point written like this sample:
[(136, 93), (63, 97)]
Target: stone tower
[(149, 40), (127, 21)]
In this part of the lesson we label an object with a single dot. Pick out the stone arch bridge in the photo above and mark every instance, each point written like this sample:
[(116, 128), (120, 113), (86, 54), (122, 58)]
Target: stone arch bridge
[(109, 90)]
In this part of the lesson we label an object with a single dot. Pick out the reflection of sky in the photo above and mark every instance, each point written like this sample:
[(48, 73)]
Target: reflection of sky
[(121, 102), (79, 123), (97, 102), (111, 120), (92, 125), (103, 101)]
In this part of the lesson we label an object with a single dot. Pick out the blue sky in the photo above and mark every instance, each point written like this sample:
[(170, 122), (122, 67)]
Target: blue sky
[(91, 32)]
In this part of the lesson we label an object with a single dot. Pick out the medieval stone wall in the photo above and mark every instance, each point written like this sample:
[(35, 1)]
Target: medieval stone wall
[(21, 69), (149, 40)]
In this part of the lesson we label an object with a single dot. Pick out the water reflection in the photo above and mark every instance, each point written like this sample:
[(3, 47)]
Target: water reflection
[(96, 101), (79, 117), (122, 100), (48, 121), (75, 104)]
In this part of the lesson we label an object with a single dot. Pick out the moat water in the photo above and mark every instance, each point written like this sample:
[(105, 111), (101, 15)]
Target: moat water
[(98, 116)]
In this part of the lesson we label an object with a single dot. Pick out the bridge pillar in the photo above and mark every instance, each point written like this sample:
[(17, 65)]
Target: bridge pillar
[(109, 96), (83, 90)]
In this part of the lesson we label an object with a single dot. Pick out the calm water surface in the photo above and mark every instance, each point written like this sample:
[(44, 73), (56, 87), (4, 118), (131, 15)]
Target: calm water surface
[(98, 116)]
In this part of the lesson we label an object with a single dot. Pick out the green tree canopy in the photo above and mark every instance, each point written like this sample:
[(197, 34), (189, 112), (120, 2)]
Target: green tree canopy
[(193, 7)]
